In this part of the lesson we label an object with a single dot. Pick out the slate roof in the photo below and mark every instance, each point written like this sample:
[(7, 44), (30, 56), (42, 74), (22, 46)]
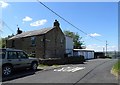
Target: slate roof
[(31, 33), (83, 50)]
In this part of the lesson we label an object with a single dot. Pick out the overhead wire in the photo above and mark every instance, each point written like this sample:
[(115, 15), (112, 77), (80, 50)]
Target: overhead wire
[(5, 24), (69, 22)]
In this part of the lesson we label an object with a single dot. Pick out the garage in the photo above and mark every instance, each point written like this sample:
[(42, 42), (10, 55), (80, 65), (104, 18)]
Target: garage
[(87, 53)]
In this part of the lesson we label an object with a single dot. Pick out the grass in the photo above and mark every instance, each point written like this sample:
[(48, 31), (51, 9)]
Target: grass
[(116, 68), (56, 65), (42, 65)]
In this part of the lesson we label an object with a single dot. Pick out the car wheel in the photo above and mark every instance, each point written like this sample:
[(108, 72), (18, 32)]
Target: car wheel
[(34, 66), (6, 70)]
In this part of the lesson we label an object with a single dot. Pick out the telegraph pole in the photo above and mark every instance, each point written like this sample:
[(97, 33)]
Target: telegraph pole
[(106, 48)]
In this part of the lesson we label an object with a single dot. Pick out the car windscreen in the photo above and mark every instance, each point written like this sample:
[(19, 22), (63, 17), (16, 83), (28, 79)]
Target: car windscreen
[(2, 54)]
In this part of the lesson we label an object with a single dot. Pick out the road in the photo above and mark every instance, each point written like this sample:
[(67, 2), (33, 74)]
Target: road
[(92, 71)]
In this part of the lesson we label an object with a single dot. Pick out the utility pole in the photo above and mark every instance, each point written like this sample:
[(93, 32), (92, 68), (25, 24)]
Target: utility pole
[(106, 48)]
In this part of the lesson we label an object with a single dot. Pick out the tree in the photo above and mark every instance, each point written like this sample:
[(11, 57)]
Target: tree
[(3, 41), (77, 40)]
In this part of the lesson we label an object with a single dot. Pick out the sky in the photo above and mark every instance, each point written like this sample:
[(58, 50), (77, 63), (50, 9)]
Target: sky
[(97, 19)]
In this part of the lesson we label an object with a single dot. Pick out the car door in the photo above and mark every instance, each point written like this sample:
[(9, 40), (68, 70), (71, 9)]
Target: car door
[(23, 58), (13, 59)]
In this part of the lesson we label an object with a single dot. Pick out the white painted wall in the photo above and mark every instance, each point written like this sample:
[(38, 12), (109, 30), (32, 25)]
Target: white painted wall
[(69, 45)]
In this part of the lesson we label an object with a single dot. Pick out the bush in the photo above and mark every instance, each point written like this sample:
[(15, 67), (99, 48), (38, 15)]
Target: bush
[(51, 61), (75, 59), (65, 55), (82, 58)]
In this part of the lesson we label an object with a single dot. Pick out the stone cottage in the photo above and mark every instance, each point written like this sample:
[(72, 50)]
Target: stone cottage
[(43, 43)]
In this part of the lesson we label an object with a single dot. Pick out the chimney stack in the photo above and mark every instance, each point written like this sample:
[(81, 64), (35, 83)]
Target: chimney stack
[(56, 23), (19, 31)]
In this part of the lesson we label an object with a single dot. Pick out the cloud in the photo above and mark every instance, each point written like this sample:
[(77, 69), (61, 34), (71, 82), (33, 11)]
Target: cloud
[(100, 47), (94, 35), (39, 22), (27, 19), (3, 4)]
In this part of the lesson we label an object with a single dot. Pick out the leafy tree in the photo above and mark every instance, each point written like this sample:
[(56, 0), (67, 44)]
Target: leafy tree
[(77, 40), (3, 41)]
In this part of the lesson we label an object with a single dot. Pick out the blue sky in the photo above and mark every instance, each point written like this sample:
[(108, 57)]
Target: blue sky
[(98, 19)]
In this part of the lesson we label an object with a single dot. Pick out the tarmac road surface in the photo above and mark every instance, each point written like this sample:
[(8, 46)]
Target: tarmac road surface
[(92, 71)]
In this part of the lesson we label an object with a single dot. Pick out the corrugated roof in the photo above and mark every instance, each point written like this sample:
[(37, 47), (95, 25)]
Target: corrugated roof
[(83, 49), (31, 33)]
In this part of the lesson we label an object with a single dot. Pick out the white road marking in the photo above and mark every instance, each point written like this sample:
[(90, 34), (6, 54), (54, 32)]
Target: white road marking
[(69, 69)]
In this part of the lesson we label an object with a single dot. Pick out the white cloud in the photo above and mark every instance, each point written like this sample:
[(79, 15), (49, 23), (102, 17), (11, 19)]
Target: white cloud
[(39, 22), (3, 4), (100, 47), (94, 34), (27, 19)]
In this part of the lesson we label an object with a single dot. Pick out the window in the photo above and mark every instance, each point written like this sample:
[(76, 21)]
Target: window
[(22, 55), (61, 41), (12, 55), (33, 53), (33, 41)]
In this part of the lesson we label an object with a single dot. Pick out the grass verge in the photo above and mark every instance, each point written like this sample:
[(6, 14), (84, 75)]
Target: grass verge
[(116, 68), (42, 65)]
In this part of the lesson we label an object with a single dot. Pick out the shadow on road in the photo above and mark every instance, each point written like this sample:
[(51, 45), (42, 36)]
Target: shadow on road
[(19, 74)]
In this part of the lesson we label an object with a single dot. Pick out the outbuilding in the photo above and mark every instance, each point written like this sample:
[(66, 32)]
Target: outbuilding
[(69, 45), (87, 53)]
